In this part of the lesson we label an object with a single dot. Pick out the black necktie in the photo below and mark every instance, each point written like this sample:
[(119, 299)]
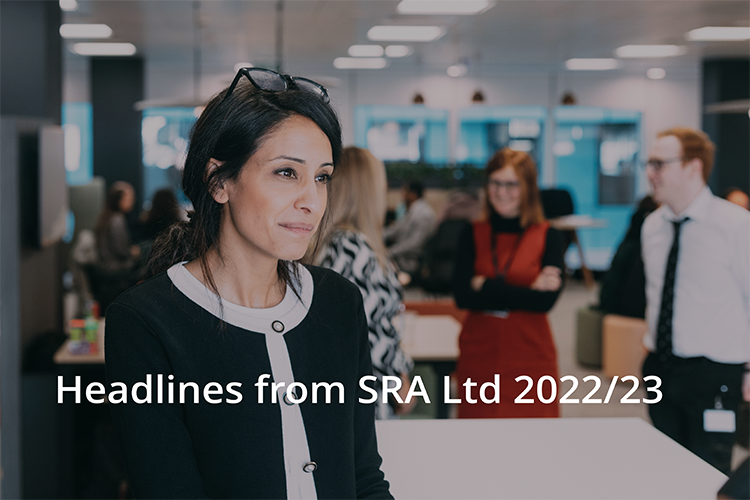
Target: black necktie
[(664, 326)]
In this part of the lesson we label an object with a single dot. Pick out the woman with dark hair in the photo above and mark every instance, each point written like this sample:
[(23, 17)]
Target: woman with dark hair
[(231, 316), (117, 264), (164, 212), (508, 274), (116, 251)]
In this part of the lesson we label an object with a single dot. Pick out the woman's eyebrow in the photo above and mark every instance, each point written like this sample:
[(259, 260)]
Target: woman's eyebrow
[(300, 161), (290, 158)]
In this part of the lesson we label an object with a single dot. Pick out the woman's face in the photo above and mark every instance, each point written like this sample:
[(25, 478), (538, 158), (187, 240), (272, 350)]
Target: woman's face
[(504, 191), (276, 203), (127, 201)]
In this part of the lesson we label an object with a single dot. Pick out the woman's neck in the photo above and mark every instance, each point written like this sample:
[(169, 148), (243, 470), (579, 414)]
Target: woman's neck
[(242, 281)]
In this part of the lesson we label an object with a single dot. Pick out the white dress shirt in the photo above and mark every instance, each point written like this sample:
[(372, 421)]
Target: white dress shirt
[(712, 284)]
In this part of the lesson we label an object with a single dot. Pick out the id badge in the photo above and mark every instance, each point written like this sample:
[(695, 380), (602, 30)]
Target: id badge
[(718, 421)]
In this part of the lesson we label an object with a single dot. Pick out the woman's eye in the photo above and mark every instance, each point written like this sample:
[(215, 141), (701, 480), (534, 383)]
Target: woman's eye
[(287, 172), (324, 178)]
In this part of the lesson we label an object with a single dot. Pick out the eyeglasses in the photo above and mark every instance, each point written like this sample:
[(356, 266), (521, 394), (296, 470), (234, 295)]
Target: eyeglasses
[(509, 185), (272, 81), (657, 164)]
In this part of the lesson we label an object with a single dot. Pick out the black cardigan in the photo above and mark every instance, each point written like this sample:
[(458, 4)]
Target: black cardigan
[(496, 295), (235, 450)]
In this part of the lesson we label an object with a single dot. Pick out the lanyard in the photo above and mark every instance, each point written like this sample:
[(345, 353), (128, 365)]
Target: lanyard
[(512, 256)]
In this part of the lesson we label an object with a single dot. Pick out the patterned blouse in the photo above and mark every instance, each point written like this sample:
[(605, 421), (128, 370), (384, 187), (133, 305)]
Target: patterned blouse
[(349, 255)]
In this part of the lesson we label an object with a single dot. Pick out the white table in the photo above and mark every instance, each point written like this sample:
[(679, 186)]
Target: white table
[(430, 337), (573, 458)]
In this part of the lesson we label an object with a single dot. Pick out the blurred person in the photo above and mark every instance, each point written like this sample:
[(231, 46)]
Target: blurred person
[(116, 267), (164, 212), (406, 237), (737, 196), (695, 253), (623, 289), (508, 273), (230, 303), (113, 242), (354, 249)]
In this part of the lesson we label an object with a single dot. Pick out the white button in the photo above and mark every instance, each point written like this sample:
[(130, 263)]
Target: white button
[(277, 326), (287, 400), (310, 467)]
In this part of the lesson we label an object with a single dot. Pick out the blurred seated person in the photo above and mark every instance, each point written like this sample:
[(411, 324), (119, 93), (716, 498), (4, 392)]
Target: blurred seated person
[(737, 196), (115, 270), (623, 288), (406, 237), (164, 212)]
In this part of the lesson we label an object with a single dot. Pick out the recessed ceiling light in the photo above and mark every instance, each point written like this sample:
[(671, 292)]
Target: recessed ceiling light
[(444, 7), (359, 63), (68, 5), (591, 64), (397, 50), (85, 31), (405, 33), (719, 33), (365, 51), (456, 70), (656, 73), (104, 49), (650, 51)]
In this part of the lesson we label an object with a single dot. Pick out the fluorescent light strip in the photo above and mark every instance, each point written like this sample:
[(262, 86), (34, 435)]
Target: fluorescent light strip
[(85, 31), (366, 51), (397, 51), (719, 34), (443, 7), (68, 5), (104, 49), (656, 73), (591, 64), (359, 63), (629, 51), (405, 33)]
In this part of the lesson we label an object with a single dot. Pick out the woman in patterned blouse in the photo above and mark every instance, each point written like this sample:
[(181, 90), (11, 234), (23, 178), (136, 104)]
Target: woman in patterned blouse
[(354, 248)]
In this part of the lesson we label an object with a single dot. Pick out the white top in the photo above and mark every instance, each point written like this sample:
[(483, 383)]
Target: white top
[(712, 284), (272, 322)]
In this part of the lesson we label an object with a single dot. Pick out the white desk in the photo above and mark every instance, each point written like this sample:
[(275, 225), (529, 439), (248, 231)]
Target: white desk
[(430, 337), (586, 458)]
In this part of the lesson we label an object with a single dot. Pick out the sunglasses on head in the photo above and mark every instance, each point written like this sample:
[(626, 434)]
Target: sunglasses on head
[(272, 81)]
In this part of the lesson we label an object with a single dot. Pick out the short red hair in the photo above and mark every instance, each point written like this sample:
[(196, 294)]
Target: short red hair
[(695, 144)]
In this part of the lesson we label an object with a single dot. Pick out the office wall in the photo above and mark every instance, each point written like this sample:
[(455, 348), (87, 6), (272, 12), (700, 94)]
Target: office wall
[(664, 103)]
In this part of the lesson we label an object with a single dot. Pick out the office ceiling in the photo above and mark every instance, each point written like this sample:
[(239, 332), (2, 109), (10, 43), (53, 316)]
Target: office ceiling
[(511, 34)]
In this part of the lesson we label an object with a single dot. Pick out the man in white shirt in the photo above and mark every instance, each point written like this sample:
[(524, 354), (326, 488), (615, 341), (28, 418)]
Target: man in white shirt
[(696, 250), (406, 237)]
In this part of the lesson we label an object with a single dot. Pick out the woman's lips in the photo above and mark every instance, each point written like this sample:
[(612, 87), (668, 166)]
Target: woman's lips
[(298, 228)]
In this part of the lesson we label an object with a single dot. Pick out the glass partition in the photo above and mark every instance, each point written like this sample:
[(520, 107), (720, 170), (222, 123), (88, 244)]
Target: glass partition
[(596, 152), (485, 129)]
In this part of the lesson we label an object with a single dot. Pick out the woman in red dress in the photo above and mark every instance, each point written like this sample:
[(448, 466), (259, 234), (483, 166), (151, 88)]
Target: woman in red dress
[(508, 274)]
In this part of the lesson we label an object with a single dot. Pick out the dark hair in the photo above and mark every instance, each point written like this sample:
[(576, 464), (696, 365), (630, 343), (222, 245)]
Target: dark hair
[(416, 187), (164, 212), (231, 130), (111, 207)]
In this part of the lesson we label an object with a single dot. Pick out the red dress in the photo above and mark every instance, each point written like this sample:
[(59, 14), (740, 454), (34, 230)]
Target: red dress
[(518, 344)]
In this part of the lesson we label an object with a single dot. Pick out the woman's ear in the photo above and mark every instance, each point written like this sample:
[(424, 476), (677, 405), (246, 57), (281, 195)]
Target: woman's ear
[(216, 187)]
